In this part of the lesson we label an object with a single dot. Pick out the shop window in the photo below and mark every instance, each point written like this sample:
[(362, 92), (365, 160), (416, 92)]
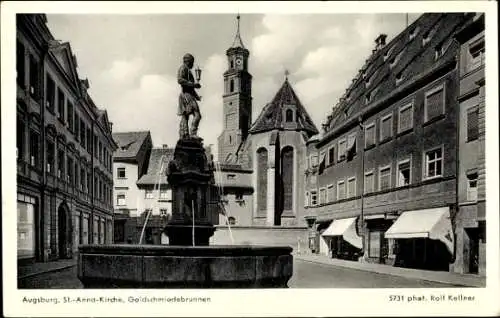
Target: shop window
[(25, 230), (472, 187), (404, 172), (434, 163), (472, 124), (374, 239), (434, 103)]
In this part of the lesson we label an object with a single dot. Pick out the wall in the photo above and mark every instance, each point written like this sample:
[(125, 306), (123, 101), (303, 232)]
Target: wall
[(296, 237), (128, 187)]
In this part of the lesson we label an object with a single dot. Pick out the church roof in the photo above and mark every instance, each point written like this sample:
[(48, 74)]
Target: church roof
[(238, 43), (271, 116)]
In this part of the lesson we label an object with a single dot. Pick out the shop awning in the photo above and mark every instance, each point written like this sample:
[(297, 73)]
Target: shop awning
[(430, 223), (345, 228)]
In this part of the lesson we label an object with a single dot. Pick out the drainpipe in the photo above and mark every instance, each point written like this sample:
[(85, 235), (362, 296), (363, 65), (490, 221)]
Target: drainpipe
[(92, 193), (453, 215), (362, 152), (43, 184)]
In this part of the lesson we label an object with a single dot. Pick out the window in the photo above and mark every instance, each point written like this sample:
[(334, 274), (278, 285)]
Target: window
[(89, 140), (232, 64), (405, 120), (60, 163), (35, 149), (163, 212), (351, 146), (306, 200), (476, 58), (120, 199), (374, 238), (77, 128), (289, 116), (314, 198), (414, 32), (434, 163), (164, 194), (341, 150), (82, 179), (26, 232), (51, 153), (341, 190), (369, 182), (20, 64), (50, 99), (231, 220), (96, 232), (149, 194), (472, 187), (404, 172), (331, 155), (369, 135), (384, 178), (314, 160), (20, 138), (434, 103), (231, 86), (60, 106), (70, 170), (70, 116), (330, 195), (121, 173), (472, 124), (322, 195), (82, 133), (89, 181), (386, 127), (351, 187), (34, 77)]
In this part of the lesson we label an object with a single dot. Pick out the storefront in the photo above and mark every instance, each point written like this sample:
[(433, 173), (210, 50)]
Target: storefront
[(379, 249), (26, 227), (343, 240), (424, 239)]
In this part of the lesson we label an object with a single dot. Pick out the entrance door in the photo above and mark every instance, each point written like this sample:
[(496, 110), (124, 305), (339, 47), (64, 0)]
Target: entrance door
[(474, 255), (62, 231)]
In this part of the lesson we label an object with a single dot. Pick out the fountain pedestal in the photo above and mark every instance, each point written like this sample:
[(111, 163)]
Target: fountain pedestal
[(190, 177)]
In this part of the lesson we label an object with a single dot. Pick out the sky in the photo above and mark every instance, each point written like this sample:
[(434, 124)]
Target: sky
[(131, 61)]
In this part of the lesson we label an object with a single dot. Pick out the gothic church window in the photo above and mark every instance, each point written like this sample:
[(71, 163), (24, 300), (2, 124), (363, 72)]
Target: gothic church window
[(289, 116), (262, 180), (287, 175)]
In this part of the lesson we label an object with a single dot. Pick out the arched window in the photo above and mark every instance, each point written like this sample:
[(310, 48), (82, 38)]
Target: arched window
[(287, 177), (289, 116), (232, 64), (262, 181), (231, 86), (231, 220)]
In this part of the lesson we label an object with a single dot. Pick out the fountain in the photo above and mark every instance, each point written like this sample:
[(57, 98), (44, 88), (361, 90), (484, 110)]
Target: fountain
[(188, 261)]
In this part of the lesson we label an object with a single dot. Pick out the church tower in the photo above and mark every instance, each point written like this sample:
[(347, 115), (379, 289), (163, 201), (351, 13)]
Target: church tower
[(237, 100)]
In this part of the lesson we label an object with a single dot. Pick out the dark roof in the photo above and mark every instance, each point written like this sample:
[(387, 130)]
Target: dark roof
[(157, 157), (411, 56), (129, 144), (271, 116)]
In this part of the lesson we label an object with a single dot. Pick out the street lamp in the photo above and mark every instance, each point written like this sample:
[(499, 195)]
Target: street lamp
[(197, 72)]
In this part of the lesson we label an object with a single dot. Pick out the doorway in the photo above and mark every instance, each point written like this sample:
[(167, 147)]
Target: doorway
[(64, 237)]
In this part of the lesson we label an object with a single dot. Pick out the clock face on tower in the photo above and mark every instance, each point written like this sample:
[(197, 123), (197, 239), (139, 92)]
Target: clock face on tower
[(239, 61)]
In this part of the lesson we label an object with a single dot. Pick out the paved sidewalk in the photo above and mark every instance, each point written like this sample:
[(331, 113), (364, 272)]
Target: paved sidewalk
[(29, 270), (465, 280)]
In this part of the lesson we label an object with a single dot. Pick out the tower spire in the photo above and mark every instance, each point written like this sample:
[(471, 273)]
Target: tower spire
[(237, 39)]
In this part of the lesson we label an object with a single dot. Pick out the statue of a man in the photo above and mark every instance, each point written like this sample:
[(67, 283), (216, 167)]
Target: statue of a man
[(188, 98)]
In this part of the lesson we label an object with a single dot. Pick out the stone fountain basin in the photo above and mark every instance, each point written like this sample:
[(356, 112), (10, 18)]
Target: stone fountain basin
[(165, 266)]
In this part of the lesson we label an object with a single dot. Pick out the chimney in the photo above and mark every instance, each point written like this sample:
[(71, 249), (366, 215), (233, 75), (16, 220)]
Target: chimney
[(164, 146), (380, 41)]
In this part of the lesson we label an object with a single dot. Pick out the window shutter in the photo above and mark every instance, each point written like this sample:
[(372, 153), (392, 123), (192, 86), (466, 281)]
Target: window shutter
[(435, 104)]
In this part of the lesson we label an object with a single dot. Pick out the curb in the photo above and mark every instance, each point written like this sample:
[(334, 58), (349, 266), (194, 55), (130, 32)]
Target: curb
[(56, 269), (396, 274)]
